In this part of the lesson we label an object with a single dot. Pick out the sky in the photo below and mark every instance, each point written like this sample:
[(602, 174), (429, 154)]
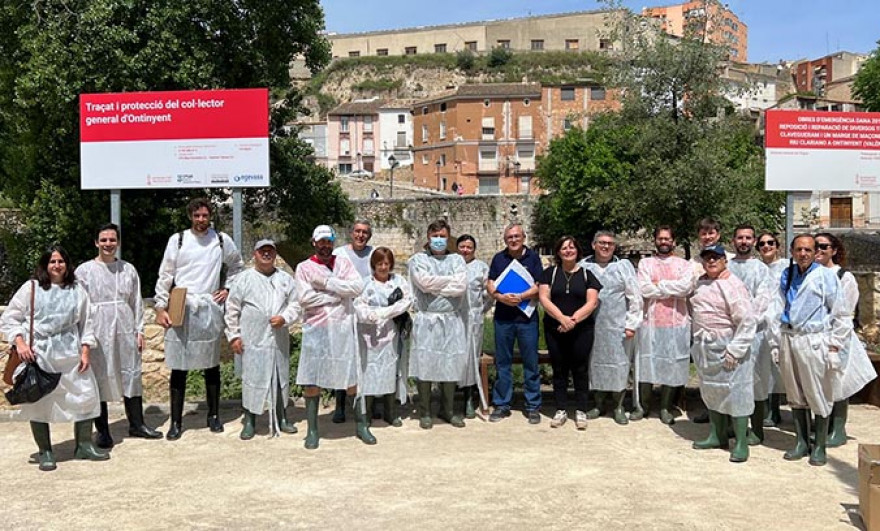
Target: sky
[(778, 29)]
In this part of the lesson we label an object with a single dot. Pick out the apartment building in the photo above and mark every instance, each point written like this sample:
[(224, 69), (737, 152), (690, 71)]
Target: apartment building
[(714, 20), (352, 132), (816, 75), (395, 133)]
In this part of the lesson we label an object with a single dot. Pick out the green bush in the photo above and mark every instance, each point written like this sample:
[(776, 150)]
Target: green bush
[(499, 57), (465, 60)]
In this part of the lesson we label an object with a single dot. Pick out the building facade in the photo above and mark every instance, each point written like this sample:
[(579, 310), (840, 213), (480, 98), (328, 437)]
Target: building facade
[(353, 130), (815, 76), (395, 134), (709, 18)]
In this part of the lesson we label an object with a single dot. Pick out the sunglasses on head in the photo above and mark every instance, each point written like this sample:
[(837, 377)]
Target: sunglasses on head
[(823, 246), (767, 243)]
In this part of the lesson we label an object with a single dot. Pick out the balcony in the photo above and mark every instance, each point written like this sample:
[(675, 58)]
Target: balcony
[(488, 166)]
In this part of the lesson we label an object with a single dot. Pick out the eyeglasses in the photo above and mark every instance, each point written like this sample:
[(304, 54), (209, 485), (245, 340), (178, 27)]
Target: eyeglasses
[(823, 246), (767, 243), (605, 244), (713, 257)]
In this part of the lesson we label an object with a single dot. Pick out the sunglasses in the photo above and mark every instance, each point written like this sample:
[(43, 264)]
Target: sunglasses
[(767, 243), (823, 246)]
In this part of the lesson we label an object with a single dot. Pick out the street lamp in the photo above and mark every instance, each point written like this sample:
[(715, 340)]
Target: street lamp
[(392, 162), (438, 176), (516, 166)]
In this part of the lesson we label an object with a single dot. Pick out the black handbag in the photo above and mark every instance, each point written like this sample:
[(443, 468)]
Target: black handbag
[(32, 384)]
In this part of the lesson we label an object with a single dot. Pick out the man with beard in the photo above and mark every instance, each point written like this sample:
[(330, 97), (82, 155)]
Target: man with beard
[(194, 260), (757, 278), (663, 340)]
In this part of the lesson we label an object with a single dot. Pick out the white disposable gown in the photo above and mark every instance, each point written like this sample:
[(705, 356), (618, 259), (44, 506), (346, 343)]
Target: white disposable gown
[(756, 276), (264, 365), (620, 309), (360, 261), (856, 369), (772, 315), (62, 324), (477, 303), (328, 357), (196, 266), (664, 338), (380, 343), (439, 342), (117, 317), (724, 321)]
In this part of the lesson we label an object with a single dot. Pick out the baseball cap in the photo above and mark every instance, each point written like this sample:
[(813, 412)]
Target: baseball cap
[(714, 249), (324, 232), (264, 243)]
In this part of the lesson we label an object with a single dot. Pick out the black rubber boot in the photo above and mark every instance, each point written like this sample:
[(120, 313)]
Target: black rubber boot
[(740, 451), (717, 433), (134, 412), (102, 427), (312, 422), (247, 429), (281, 412), (212, 395), (817, 456), (44, 443), (802, 447), (643, 408), (424, 390), (774, 414), (362, 420), (470, 411), (596, 412), (447, 394), (389, 410), (339, 414), (175, 430), (82, 433), (619, 412), (756, 435), (666, 416), (837, 422)]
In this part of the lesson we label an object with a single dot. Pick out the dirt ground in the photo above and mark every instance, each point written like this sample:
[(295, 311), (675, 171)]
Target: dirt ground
[(489, 476)]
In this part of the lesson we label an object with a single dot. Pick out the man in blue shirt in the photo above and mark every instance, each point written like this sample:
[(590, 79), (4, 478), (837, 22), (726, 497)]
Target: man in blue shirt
[(512, 325)]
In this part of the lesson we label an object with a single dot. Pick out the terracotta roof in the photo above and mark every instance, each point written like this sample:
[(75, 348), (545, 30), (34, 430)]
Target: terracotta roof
[(487, 90), (365, 107)]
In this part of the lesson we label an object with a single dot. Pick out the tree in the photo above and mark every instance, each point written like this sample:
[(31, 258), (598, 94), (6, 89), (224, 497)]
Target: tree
[(50, 52), (668, 157), (866, 86)]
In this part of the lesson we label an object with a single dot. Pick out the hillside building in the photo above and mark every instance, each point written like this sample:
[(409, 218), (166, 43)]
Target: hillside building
[(714, 20)]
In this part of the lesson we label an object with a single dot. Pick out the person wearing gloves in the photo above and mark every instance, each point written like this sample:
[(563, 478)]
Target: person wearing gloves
[(438, 352), (813, 329), (261, 306), (856, 369), (114, 289), (663, 340), (768, 249), (617, 319), (756, 276), (478, 303), (385, 298), (194, 260), (328, 357), (358, 253), (62, 341), (724, 323)]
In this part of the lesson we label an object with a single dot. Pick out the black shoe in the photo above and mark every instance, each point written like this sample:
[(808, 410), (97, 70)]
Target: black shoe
[(499, 414), (533, 416), (174, 432), (702, 418), (215, 424), (134, 411), (104, 440)]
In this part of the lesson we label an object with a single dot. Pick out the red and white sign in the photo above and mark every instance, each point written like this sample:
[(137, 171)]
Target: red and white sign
[(818, 150), (175, 139)]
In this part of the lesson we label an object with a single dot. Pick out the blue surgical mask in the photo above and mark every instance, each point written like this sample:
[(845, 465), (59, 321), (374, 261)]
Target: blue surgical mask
[(438, 243)]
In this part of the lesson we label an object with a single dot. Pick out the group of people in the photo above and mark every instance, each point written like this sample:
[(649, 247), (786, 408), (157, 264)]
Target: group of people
[(755, 327)]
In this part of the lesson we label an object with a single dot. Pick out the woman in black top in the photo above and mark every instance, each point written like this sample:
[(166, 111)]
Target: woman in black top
[(569, 295)]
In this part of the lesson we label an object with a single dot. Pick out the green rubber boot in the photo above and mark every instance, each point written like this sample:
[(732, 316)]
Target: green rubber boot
[(281, 413), (596, 412), (247, 429), (362, 419), (389, 410), (774, 414), (740, 451), (666, 416), (447, 394), (837, 421), (643, 408), (424, 390), (470, 411), (44, 443), (82, 433), (619, 412), (756, 434), (312, 437), (802, 447), (717, 433), (817, 456)]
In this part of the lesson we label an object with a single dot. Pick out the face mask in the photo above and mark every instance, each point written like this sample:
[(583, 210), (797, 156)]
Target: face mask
[(438, 243)]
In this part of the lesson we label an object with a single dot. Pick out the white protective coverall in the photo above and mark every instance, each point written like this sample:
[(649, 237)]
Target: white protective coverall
[(856, 369), (818, 320), (772, 315), (620, 308), (724, 321), (478, 303), (360, 261), (195, 264), (328, 356), (756, 276), (117, 317), (439, 343), (264, 365), (380, 343), (664, 337), (62, 324)]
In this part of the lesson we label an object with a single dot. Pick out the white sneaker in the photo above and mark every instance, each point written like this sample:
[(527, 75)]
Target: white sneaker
[(580, 420), (559, 418)]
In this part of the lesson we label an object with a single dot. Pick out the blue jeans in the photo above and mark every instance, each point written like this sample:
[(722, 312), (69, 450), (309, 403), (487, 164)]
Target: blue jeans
[(526, 335)]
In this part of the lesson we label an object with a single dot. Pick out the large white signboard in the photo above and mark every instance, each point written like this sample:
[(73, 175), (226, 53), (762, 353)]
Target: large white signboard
[(815, 150), (177, 139)]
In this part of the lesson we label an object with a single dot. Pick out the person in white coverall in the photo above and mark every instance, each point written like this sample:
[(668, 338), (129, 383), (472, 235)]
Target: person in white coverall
[(478, 303), (768, 250)]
